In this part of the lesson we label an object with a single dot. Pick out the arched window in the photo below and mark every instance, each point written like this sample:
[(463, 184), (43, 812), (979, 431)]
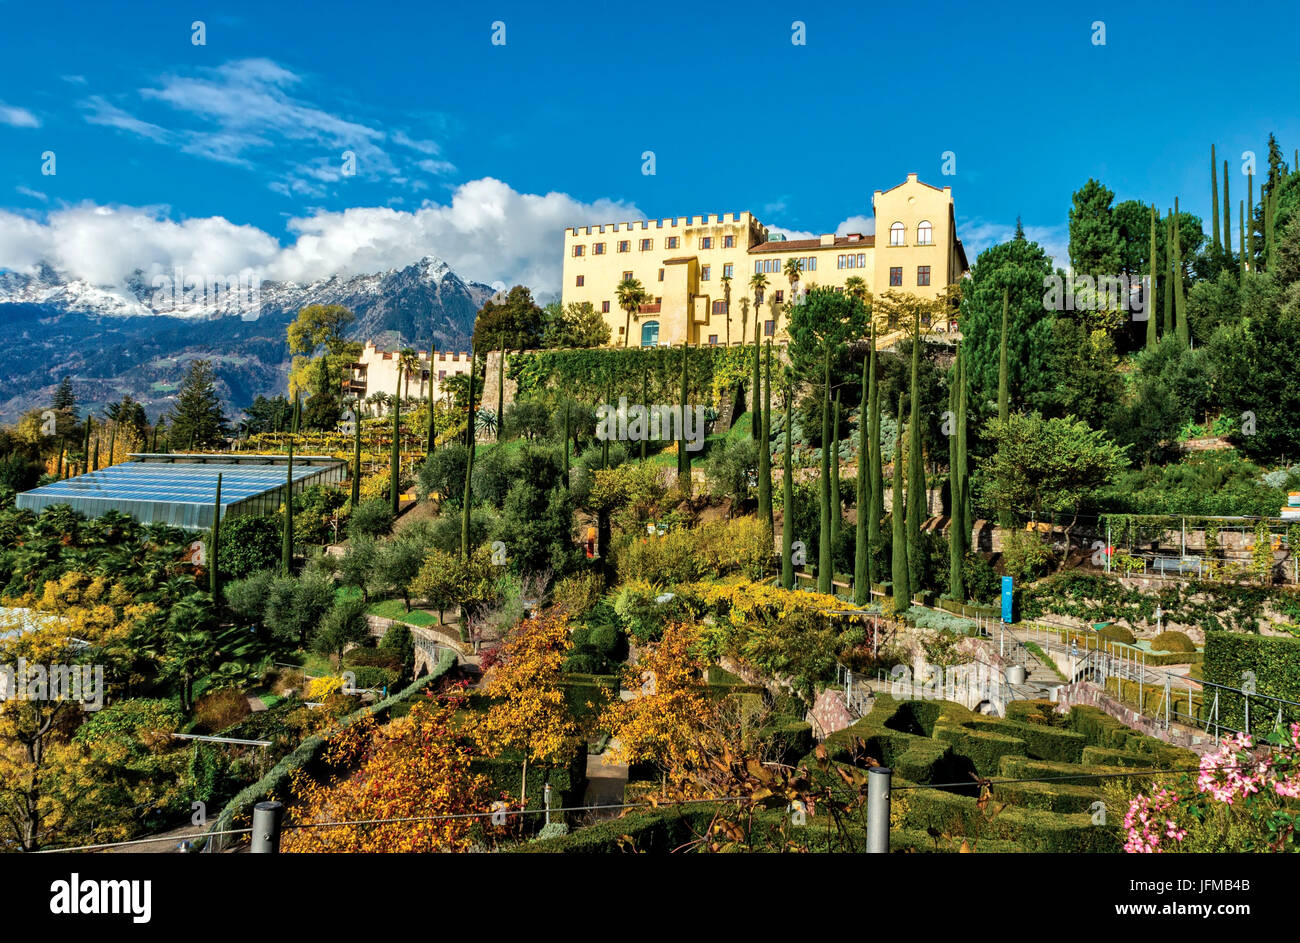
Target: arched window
[(925, 233), (649, 333), (897, 235)]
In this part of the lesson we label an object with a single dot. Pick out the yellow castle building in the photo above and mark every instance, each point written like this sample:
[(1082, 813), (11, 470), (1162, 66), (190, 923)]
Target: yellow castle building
[(697, 270)]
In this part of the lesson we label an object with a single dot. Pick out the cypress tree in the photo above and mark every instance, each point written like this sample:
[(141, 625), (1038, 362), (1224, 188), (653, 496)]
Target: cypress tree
[(824, 560), (112, 444), (916, 492), (645, 403), (286, 533), (431, 431), (85, 448), (1004, 397), (1269, 204), (94, 466), (876, 462), (1168, 326), (862, 496), (899, 571), (1155, 280), (604, 444), (154, 446), (1250, 227), (837, 505), (58, 469), (1227, 215), (1180, 303), (685, 478), (297, 407), (566, 444), (1241, 236), (765, 453), (469, 466), (501, 395), (787, 493), (1214, 196), (214, 569), (395, 450), (356, 456), (755, 424), (957, 484)]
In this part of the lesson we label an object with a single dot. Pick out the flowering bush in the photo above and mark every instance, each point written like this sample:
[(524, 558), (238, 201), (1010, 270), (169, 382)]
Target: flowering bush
[(1240, 800)]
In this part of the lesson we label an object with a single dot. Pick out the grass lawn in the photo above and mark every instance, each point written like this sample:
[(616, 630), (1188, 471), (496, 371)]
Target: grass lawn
[(395, 609)]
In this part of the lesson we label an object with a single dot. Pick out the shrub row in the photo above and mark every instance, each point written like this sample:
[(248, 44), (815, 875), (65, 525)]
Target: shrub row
[(1275, 662)]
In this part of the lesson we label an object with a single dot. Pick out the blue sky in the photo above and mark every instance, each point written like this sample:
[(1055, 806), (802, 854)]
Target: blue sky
[(230, 153)]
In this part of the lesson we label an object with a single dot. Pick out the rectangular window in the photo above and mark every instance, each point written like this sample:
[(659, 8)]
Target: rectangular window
[(923, 274), (705, 271), (578, 250), (812, 263), (598, 249), (672, 242), (840, 261), (758, 267), (625, 245), (780, 296), (706, 242), (661, 275), (581, 280), (719, 307), (713, 340), (627, 276), (769, 327), (895, 276), (442, 375), (647, 245), (728, 242), (728, 270), (862, 260), (604, 307)]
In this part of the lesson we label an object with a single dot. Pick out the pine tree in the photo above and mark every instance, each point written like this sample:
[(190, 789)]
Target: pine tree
[(356, 455), (765, 453), (214, 569), (755, 427), (64, 397), (1214, 197), (395, 451), (916, 491), (286, 534), (824, 559), (1155, 280), (899, 572), (876, 461), (196, 416), (469, 466), (787, 494), (837, 504), (862, 496)]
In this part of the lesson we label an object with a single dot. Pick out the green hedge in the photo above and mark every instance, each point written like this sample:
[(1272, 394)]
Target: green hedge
[(1032, 829), (588, 375), (276, 782), (795, 738), (983, 748), (1276, 664), (567, 781)]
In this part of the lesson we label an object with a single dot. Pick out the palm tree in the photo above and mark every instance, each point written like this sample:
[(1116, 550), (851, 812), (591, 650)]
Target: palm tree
[(631, 296), (408, 361), (744, 318), (792, 273), (726, 303), (855, 286), (758, 282)]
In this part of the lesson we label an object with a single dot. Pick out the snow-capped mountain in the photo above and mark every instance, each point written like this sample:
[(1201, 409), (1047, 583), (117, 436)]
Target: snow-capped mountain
[(138, 337)]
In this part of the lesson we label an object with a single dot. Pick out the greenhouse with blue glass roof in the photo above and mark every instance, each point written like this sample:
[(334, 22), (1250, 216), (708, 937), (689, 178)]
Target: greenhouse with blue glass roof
[(180, 489)]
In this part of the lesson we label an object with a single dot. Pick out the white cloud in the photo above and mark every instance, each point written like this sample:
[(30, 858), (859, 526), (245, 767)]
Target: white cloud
[(243, 113), (34, 194), (17, 117), (487, 231)]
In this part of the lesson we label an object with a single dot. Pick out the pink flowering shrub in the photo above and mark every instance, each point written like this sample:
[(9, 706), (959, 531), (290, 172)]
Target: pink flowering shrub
[(1245, 782)]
